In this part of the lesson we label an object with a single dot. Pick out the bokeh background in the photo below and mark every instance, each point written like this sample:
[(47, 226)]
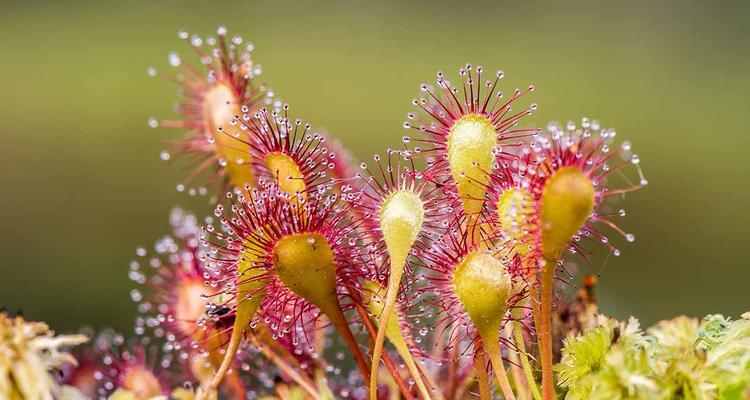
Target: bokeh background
[(82, 185)]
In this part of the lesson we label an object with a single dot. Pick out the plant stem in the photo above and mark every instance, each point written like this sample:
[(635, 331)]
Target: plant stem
[(336, 316), (250, 293), (385, 317), (234, 387), (238, 330), (403, 350), (415, 373), (521, 345), (480, 366), (492, 346), (391, 368), (320, 337), (545, 336), (519, 380), (397, 377), (464, 384), (306, 384)]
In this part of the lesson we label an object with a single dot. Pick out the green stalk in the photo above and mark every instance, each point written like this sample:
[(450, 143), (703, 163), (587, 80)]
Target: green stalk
[(521, 345), (492, 346), (384, 325)]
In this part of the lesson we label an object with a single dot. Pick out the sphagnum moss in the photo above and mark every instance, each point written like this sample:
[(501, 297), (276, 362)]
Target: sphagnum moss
[(451, 248)]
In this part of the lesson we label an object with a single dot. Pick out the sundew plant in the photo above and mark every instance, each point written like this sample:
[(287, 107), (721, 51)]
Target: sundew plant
[(444, 268)]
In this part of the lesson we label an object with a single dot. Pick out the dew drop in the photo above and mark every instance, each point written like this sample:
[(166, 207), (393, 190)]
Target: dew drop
[(174, 59)]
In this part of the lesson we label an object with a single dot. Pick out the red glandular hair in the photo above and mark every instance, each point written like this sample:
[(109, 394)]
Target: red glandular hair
[(273, 132), (453, 327), (263, 218), (586, 147), (83, 375), (367, 192), (223, 62), (138, 368), (173, 303), (343, 160), (444, 106)]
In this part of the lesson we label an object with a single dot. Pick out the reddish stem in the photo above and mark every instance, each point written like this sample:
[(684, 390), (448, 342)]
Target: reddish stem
[(545, 335), (386, 358), (336, 316)]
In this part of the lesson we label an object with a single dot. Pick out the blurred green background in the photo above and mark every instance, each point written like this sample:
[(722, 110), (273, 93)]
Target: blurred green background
[(81, 183)]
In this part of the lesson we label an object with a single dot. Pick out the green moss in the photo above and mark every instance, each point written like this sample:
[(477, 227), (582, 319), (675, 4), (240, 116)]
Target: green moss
[(678, 359)]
